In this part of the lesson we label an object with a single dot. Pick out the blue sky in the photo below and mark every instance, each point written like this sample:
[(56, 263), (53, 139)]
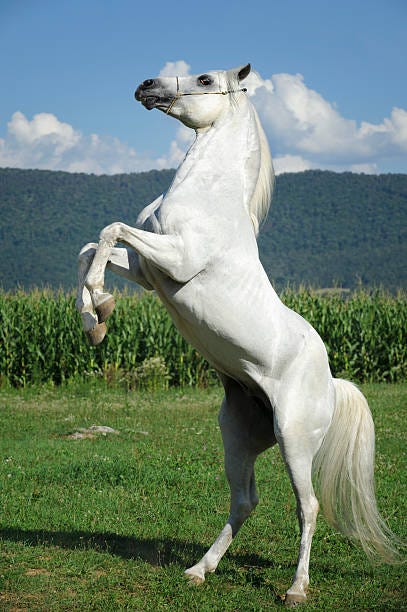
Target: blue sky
[(331, 90)]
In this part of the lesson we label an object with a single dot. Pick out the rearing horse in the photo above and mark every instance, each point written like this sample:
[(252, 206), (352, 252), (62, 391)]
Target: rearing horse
[(196, 247)]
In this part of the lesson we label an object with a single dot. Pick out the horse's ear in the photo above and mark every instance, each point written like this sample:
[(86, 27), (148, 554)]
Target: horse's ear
[(243, 72)]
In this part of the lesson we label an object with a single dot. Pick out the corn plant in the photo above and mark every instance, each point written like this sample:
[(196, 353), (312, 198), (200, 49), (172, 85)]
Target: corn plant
[(41, 340)]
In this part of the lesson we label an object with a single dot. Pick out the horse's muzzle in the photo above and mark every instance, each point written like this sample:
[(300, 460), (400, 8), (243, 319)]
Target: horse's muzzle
[(144, 95)]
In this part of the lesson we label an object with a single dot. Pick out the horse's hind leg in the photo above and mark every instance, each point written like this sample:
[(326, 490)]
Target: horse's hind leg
[(299, 468), (240, 420), (299, 439), (239, 468)]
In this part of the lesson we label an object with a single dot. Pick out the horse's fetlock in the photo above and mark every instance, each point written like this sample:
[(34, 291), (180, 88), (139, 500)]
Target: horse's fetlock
[(195, 574), (110, 234)]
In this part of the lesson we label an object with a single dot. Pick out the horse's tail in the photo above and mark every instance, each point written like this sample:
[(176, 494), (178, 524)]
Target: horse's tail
[(344, 467)]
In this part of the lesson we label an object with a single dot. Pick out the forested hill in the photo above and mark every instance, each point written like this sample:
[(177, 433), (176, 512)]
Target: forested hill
[(46, 217), (324, 228), (329, 229)]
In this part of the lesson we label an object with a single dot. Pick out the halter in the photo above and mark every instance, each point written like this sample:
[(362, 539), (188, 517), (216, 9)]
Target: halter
[(179, 94)]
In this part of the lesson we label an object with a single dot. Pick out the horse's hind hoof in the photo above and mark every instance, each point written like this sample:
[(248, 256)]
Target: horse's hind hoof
[(96, 335), (194, 578), (294, 599), (105, 308)]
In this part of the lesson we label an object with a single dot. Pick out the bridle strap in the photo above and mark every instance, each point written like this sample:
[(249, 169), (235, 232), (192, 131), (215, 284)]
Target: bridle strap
[(179, 94)]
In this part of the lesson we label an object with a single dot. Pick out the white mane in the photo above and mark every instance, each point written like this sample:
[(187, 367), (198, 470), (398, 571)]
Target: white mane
[(260, 201)]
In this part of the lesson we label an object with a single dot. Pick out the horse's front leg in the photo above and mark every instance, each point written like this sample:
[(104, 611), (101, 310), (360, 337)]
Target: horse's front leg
[(94, 330), (123, 263), (167, 252), (103, 302)]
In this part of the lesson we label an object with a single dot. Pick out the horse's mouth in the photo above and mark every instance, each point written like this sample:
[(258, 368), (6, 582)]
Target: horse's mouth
[(152, 97), (149, 102)]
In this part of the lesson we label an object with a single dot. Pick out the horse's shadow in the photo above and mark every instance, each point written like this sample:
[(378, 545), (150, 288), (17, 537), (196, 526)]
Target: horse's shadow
[(157, 551)]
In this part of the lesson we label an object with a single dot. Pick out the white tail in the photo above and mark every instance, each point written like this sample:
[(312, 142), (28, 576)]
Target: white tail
[(344, 470)]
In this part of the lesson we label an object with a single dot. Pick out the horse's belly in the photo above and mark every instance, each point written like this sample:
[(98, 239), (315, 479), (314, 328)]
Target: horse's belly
[(228, 353), (233, 317)]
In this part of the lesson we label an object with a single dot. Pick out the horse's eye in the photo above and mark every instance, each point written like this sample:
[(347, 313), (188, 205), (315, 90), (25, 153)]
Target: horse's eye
[(205, 79)]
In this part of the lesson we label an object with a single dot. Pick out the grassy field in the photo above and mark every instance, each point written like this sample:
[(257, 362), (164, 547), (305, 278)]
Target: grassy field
[(110, 521)]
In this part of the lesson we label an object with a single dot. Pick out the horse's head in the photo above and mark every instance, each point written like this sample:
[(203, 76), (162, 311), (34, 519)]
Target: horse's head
[(196, 100)]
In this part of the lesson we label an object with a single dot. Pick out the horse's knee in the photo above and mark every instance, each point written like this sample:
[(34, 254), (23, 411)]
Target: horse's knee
[(307, 511), (111, 233)]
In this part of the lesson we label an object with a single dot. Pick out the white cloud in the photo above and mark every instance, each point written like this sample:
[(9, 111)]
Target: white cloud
[(179, 68), (364, 168), (291, 163), (178, 147), (306, 131), (47, 143), (43, 127), (301, 124)]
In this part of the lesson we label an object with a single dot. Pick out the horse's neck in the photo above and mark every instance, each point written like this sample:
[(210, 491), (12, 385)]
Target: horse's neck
[(226, 154)]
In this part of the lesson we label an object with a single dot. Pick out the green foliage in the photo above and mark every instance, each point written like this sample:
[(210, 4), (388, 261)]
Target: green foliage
[(324, 229), (42, 340), (365, 333), (328, 229), (110, 522), (46, 218), (151, 375)]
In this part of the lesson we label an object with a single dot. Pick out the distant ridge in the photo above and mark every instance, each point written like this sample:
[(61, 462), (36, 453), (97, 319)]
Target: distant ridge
[(325, 229)]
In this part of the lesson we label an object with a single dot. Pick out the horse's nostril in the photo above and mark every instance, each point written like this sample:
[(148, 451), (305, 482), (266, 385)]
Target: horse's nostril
[(148, 83)]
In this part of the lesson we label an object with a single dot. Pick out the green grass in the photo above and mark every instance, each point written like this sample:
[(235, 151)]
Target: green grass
[(111, 522)]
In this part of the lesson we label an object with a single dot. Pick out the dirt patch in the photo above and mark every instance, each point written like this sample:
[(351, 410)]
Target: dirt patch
[(37, 572), (91, 432)]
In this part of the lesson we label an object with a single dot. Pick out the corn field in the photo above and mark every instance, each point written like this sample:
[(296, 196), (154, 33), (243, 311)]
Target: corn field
[(41, 339)]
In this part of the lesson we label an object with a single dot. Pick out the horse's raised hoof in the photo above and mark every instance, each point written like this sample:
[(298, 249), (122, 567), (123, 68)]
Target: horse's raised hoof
[(96, 335), (294, 599), (105, 308), (194, 579)]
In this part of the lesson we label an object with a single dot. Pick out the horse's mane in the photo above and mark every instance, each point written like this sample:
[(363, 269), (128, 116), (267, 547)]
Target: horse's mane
[(260, 201)]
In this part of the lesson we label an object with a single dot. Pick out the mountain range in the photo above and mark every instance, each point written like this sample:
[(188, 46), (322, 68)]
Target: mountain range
[(324, 229)]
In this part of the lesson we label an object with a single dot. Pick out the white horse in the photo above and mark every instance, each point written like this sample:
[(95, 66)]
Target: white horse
[(200, 255)]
